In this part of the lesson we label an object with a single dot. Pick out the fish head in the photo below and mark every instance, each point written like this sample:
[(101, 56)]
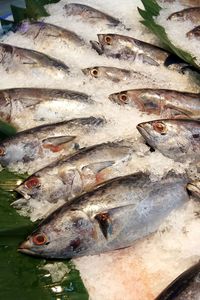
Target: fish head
[(31, 187), (194, 189), (5, 105), (65, 233), (171, 137), (95, 72), (107, 43), (120, 98)]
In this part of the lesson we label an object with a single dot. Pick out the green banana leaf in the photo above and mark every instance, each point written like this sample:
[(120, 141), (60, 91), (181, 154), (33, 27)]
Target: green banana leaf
[(151, 10), (23, 277)]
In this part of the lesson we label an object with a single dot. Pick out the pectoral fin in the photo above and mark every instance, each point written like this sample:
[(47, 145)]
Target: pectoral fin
[(98, 166), (55, 143)]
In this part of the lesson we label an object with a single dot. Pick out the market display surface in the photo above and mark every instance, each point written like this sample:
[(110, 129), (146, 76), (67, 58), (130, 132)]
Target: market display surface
[(100, 148)]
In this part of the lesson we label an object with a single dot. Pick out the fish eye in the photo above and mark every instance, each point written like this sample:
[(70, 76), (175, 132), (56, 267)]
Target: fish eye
[(32, 182), (2, 151), (39, 239), (94, 72), (160, 127), (108, 40), (123, 97)]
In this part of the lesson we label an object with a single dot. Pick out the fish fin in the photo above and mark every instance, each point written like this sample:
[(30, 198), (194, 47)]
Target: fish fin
[(99, 166), (104, 223), (55, 143)]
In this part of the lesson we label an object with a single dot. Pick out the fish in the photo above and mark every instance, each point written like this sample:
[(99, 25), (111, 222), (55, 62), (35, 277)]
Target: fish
[(114, 215), (90, 15), (191, 13), (185, 287), (178, 139), (194, 189), (165, 103), (112, 73), (13, 59), (35, 148), (194, 33), (128, 48), (29, 107), (45, 33), (71, 176)]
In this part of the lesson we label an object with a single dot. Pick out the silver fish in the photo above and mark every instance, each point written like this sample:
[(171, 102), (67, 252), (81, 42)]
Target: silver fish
[(176, 139), (110, 217), (41, 32), (113, 74), (14, 58), (185, 287), (73, 175), (128, 48), (191, 13), (28, 107), (194, 189), (90, 15), (194, 33), (37, 147), (165, 103)]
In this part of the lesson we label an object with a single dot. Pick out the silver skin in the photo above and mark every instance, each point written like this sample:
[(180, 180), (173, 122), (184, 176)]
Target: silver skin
[(185, 287), (112, 73), (164, 103), (112, 216), (188, 3), (90, 15), (16, 104), (76, 174), (194, 189), (128, 48), (39, 146), (14, 58), (41, 32), (176, 139), (191, 13), (194, 33)]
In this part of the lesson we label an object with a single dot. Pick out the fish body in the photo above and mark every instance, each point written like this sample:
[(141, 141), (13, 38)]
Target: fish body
[(112, 216), (176, 139), (46, 33), (73, 175), (90, 15), (194, 33), (112, 74), (165, 103), (184, 287), (29, 107), (128, 48), (37, 147), (191, 13), (194, 189), (14, 58)]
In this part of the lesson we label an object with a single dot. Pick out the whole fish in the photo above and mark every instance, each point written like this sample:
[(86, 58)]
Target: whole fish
[(41, 32), (73, 175), (90, 15), (165, 103), (176, 139), (29, 107), (37, 147), (194, 33), (184, 287), (14, 58), (113, 74), (194, 189), (191, 13), (110, 217), (128, 48)]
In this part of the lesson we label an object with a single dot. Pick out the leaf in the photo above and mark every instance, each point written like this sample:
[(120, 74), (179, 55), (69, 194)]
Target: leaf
[(152, 9), (6, 130)]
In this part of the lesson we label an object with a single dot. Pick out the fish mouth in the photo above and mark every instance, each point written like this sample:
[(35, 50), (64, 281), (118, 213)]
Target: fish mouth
[(26, 251), (19, 203), (22, 193), (85, 71), (97, 46)]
